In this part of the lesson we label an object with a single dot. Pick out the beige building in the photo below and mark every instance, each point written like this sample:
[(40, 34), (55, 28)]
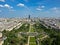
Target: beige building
[(1, 41)]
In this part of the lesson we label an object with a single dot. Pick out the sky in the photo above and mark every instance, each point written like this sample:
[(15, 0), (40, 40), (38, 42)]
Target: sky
[(35, 8)]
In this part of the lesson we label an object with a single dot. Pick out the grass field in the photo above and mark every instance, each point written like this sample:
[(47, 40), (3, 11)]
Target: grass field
[(32, 41)]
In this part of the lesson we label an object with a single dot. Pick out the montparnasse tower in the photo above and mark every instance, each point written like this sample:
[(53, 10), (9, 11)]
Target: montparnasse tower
[(29, 17)]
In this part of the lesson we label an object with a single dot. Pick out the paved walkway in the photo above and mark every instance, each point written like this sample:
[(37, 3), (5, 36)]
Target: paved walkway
[(44, 37), (29, 36)]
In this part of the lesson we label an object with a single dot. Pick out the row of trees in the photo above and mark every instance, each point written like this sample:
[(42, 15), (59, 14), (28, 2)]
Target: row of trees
[(54, 36), (13, 38)]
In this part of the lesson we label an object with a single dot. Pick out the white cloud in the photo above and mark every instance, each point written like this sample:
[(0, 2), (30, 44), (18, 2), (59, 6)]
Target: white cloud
[(6, 6), (55, 9), (42, 6), (2, 0), (1, 6), (21, 4), (39, 8)]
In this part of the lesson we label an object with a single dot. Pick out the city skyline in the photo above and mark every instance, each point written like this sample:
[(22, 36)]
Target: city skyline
[(36, 8)]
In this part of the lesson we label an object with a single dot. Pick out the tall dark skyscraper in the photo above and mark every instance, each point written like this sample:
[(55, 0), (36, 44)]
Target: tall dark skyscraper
[(29, 16)]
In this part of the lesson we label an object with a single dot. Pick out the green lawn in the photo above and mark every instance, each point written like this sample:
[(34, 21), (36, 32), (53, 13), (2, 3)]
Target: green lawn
[(32, 41), (24, 28), (32, 30)]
